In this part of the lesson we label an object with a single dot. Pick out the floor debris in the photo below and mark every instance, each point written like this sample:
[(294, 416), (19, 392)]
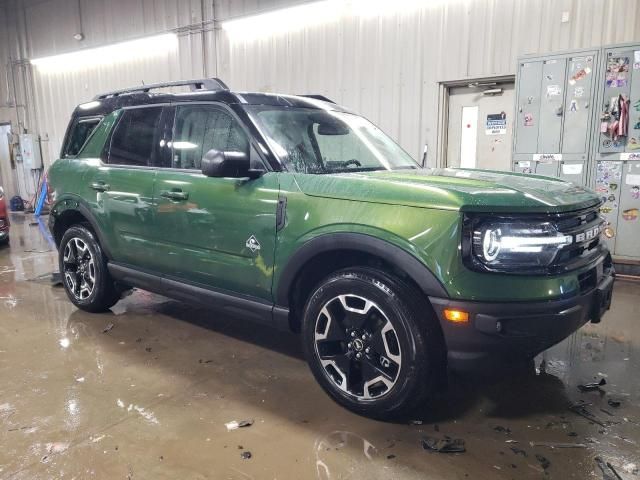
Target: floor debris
[(235, 424), (108, 328), (630, 468), (443, 445), (614, 403), (606, 472), (519, 451), (614, 471), (501, 429), (543, 461), (580, 409), (557, 445), (245, 455), (589, 387)]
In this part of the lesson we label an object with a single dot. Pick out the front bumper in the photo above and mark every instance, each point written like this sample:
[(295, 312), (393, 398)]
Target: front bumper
[(497, 333)]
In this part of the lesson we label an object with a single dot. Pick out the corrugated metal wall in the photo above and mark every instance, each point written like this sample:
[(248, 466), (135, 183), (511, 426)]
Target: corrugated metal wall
[(385, 65)]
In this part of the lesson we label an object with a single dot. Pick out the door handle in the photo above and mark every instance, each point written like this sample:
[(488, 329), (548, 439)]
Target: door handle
[(174, 194), (100, 186)]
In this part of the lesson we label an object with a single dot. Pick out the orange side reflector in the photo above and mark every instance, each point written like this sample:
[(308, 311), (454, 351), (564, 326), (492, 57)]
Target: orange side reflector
[(456, 316)]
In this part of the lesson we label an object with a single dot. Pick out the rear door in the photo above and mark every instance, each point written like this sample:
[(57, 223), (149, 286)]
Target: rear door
[(217, 232), (123, 186)]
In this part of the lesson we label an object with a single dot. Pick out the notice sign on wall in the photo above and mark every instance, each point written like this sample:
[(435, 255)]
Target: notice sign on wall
[(496, 124)]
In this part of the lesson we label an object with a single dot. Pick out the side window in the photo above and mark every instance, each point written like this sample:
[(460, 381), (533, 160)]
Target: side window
[(133, 138), (200, 128), (80, 131)]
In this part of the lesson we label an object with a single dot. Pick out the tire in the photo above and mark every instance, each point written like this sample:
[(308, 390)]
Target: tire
[(83, 267), (373, 343)]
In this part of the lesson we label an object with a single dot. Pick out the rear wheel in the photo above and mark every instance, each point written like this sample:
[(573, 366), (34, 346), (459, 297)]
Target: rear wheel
[(372, 343), (84, 272)]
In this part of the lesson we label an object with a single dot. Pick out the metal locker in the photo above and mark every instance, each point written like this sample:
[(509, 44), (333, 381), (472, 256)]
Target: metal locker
[(552, 105), (633, 137), (608, 179), (578, 104), (617, 80), (573, 171), (528, 114), (628, 235), (548, 168)]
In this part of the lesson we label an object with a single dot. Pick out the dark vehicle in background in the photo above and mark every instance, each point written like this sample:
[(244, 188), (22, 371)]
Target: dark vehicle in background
[(4, 219)]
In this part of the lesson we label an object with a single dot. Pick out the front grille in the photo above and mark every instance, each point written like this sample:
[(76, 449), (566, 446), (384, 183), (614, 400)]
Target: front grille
[(584, 227)]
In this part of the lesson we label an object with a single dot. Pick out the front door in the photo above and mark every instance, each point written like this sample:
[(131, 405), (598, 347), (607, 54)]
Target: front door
[(122, 187), (217, 232), (480, 126)]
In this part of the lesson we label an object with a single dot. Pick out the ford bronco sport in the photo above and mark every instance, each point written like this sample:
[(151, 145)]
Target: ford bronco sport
[(293, 211)]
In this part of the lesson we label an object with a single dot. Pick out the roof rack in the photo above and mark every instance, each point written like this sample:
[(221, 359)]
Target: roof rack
[(318, 97), (211, 84)]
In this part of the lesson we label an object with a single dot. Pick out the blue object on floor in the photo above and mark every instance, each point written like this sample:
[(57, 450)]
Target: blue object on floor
[(41, 198)]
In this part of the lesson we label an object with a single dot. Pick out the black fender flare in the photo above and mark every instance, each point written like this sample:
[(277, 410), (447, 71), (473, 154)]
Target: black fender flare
[(76, 205), (393, 254)]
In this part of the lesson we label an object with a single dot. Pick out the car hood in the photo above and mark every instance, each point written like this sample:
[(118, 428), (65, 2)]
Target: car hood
[(452, 189)]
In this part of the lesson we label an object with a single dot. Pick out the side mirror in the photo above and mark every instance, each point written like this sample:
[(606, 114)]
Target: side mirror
[(227, 164)]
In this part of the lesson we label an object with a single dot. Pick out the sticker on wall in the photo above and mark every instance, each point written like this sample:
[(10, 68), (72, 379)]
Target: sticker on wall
[(528, 119), (579, 75), (574, 106), (630, 214), (553, 90), (636, 126), (496, 124), (617, 70), (633, 144), (609, 232), (578, 92), (613, 187), (636, 56), (605, 210), (635, 192)]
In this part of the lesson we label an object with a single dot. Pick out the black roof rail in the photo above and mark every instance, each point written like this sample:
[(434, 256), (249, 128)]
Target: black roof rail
[(208, 84), (318, 97)]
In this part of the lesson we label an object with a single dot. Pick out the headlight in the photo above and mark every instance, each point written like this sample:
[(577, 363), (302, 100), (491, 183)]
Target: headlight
[(513, 245)]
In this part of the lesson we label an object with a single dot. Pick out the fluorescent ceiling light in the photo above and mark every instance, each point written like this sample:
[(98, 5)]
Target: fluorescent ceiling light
[(284, 20), (109, 54), (298, 17)]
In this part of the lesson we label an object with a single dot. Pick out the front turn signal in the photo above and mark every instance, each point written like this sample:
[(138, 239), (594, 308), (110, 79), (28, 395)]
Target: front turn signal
[(456, 316)]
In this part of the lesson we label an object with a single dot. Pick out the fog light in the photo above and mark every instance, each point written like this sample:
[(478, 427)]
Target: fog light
[(456, 316)]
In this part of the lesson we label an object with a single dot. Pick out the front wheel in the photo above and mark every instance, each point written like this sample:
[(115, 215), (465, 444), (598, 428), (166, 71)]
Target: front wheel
[(372, 343), (84, 272)]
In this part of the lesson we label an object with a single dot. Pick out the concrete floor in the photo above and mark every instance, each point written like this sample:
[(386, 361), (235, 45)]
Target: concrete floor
[(150, 397)]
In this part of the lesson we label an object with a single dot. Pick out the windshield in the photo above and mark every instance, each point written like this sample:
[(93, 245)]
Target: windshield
[(317, 141)]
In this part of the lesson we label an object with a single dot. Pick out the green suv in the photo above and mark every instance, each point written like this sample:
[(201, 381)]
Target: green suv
[(295, 212)]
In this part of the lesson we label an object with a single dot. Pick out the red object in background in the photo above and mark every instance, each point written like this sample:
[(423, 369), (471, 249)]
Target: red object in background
[(4, 218)]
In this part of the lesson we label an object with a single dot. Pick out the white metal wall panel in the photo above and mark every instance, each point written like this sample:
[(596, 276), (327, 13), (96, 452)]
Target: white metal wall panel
[(385, 66), (388, 67)]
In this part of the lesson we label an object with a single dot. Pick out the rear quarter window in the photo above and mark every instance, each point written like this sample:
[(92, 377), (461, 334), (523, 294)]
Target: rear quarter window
[(78, 134)]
